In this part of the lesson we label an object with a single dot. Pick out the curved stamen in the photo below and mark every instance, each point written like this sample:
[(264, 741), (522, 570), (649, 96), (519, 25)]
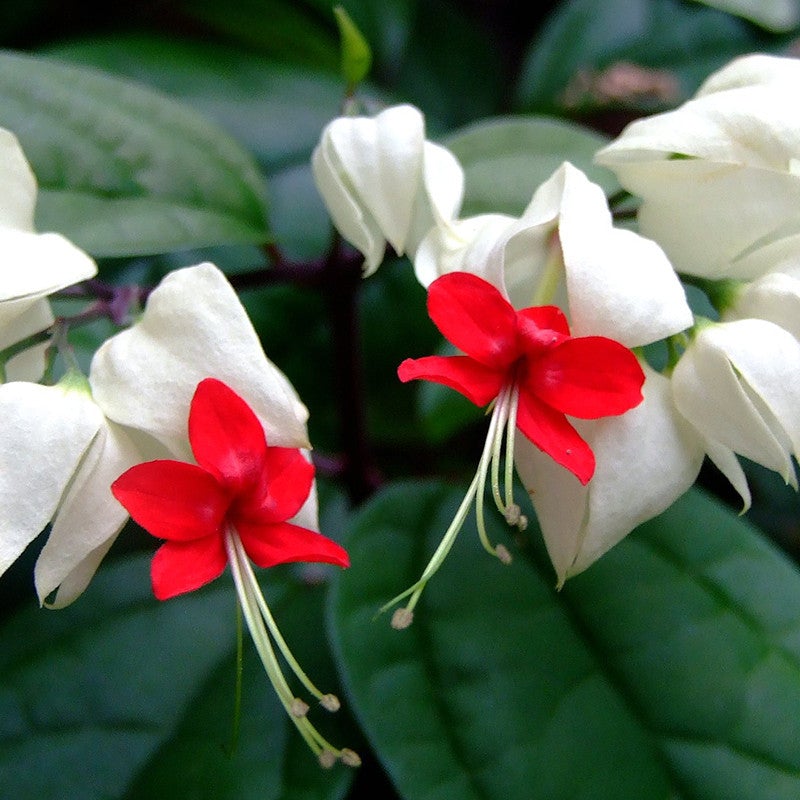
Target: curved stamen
[(256, 613)]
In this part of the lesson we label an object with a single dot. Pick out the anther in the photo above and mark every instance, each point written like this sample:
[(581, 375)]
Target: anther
[(501, 551), (402, 618), (299, 708), (522, 522), (327, 758), (512, 514), (330, 702), (350, 757)]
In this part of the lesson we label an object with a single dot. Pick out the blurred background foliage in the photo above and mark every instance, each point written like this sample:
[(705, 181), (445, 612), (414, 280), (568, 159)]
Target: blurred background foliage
[(75, 691)]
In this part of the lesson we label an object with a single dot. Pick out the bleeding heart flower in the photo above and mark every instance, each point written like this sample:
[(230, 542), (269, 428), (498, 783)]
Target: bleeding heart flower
[(232, 507), (536, 374)]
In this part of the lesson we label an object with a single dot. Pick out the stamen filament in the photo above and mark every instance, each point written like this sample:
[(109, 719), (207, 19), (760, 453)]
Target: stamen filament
[(276, 635), (415, 590), (511, 428), (256, 612)]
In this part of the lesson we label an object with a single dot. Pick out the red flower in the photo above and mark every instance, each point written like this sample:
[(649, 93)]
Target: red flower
[(239, 485), (532, 354)]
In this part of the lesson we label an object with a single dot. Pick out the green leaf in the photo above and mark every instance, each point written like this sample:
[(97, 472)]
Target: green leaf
[(276, 111), (356, 57), (282, 29), (123, 696), (123, 170), (687, 39), (506, 159), (670, 669)]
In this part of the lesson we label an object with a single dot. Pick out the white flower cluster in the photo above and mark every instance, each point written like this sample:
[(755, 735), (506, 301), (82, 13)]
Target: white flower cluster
[(63, 445), (719, 180)]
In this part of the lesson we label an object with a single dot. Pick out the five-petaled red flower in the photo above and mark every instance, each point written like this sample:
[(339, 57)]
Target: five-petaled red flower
[(239, 486), (531, 351)]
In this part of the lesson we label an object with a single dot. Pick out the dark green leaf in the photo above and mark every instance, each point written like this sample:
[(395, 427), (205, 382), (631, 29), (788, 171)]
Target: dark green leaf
[(275, 110), (670, 669), (123, 696), (282, 29), (123, 170), (688, 39), (506, 159)]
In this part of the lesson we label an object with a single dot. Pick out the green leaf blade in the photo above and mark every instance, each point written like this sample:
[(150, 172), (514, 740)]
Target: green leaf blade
[(648, 673), (111, 157)]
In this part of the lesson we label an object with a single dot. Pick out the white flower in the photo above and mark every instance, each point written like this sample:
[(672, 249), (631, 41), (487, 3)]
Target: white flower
[(738, 384), (62, 446), (609, 282), (194, 327), (382, 181), (56, 455), (34, 264), (720, 176), (646, 459), (774, 297)]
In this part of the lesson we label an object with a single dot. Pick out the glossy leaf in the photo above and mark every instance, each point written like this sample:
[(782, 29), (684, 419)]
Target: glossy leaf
[(669, 669), (507, 158), (275, 110), (123, 170), (687, 39), (123, 696)]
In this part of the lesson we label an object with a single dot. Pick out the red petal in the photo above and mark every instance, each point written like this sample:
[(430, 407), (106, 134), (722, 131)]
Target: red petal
[(550, 431), (549, 318), (283, 487), (180, 567), (475, 317), (226, 436), (588, 377), (268, 545), (172, 500), (479, 384)]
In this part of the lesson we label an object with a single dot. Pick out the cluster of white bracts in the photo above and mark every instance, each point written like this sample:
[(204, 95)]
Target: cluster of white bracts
[(719, 180)]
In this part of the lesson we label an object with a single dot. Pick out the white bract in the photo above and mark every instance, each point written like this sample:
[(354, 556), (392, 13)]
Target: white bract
[(610, 282), (34, 264), (62, 446), (56, 454), (382, 181), (738, 384), (774, 297), (194, 327), (719, 177)]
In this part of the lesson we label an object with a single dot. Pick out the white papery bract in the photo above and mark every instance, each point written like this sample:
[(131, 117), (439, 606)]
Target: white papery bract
[(382, 181), (54, 463), (194, 327), (774, 297), (738, 384), (719, 177), (62, 446), (610, 282), (646, 459), (34, 264)]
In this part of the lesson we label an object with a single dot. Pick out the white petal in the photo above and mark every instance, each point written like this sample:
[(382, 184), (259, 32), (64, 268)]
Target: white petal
[(46, 430), (18, 198), (646, 458), (619, 284), (382, 158), (29, 364), (439, 195), (752, 70), (38, 264), (461, 246), (193, 327), (88, 519), (776, 298), (360, 229), (739, 385)]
